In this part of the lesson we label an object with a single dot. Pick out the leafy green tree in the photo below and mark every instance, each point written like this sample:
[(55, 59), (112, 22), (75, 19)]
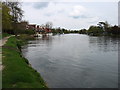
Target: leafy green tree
[(104, 25), (6, 19), (16, 14), (83, 31), (115, 30), (0, 18), (95, 30)]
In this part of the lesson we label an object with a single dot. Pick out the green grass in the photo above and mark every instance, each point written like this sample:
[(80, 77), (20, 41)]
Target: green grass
[(17, 73), (4, 35)]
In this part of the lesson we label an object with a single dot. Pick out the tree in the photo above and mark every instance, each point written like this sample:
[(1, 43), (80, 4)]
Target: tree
[(49, 25), (83, 31), (95, 30), (16, 10), (115, 30), (104, 25), (16, 14), (6, 19)]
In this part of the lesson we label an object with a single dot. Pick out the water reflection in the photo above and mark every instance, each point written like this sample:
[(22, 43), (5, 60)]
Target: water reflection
[(75, 61), (38, 42), (104, 43)]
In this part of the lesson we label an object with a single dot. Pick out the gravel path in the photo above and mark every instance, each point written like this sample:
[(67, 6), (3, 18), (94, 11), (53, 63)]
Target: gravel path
[(4, 40)]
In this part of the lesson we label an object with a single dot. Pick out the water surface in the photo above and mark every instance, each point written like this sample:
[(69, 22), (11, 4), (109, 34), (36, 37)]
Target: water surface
[(75, 61)]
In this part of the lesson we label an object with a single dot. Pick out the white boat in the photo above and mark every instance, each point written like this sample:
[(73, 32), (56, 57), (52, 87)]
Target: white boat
[(38, 35)]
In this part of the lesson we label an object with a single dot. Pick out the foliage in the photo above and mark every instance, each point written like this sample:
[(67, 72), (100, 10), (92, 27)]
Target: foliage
[(74, 31), (5, 35), (115, 30), (95, 30), (11, 15), (49, 25), (25, 37), (83, 31), (63, 31), (57, 31), (104, 28), (6, 19), (16, 11), (23, 31), (30, 32)]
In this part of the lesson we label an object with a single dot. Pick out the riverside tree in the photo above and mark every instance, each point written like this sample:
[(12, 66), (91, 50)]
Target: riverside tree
[(49, 25), (6, 19), (16, 14), (104, 25), (94, 30)]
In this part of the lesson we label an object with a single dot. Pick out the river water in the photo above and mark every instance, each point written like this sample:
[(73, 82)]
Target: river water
[(75, 61)]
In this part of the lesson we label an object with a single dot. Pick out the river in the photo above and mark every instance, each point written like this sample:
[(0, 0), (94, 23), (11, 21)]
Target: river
[(75, 60)]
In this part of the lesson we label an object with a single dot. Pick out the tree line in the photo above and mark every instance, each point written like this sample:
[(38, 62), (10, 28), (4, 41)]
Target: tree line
[(102, 28)]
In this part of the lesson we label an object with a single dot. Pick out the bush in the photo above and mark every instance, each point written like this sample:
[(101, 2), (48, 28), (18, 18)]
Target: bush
[(95, 30), (30, 32), (25, 37)]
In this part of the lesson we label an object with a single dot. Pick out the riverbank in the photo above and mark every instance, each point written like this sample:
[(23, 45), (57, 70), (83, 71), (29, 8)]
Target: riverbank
[(17, 72)]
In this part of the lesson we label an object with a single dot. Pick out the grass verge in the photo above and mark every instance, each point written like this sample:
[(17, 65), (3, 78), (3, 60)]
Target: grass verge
[(17, 72), (2, 35)]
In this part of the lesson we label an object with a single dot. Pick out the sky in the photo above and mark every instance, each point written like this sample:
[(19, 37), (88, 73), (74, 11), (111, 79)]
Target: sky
[(70, 15)]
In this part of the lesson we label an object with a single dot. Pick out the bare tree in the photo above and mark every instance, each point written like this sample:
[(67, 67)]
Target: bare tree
[(16, 10), (49, 25)]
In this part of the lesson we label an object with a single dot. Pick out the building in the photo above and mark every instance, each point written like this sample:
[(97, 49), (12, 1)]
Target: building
[(42, 29), (47, 30), (22, 25), (37, 28), (31, 27)]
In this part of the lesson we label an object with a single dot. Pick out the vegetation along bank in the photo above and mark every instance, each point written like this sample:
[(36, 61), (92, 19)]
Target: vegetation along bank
[(17, 72)]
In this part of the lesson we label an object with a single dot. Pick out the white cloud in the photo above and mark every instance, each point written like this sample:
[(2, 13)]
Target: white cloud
[(41, 5), (78, 11)]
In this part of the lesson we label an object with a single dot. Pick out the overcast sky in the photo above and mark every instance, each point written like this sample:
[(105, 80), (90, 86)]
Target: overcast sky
[(70, 15)]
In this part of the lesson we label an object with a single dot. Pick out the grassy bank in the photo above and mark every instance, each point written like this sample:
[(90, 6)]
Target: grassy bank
[(17, 73)]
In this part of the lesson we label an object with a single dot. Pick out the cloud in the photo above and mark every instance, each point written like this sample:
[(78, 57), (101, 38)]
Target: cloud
[(40, 5), (78, 11), (81, 16), (54, 9)]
